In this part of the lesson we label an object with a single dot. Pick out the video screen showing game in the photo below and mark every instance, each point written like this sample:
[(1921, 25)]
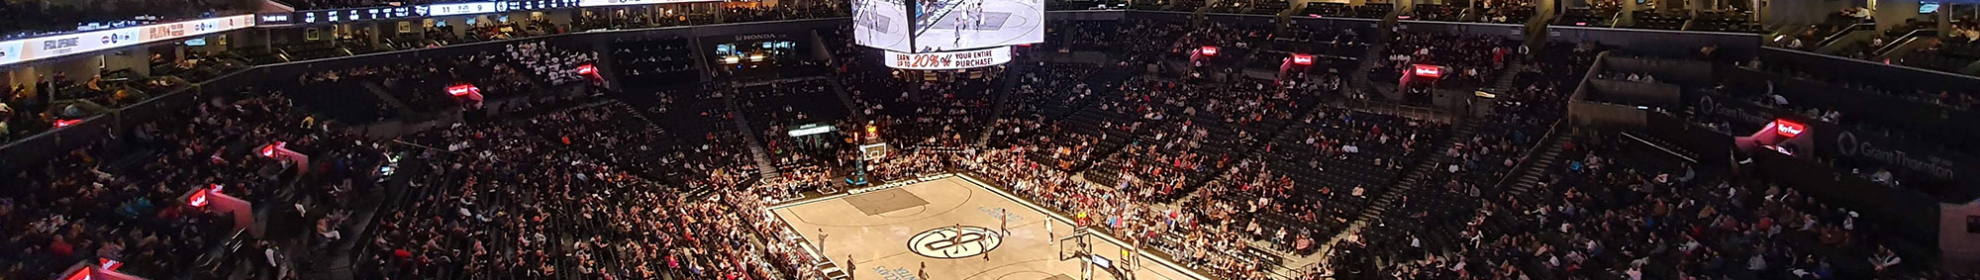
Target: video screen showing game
[(945, 25)]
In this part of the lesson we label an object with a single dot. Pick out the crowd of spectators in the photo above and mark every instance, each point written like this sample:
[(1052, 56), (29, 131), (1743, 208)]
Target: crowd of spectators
[(511, 203), (1191, 131), (30, 108), (1437, 12), (1318, 177), (603, 190), (1472, 60), (1624, 211), (422, 86), (649, 63), (1513, 11), (1201, 240), (639, 18), (777, 108), (949, 113), (1196, 241), (128, 202), (787, 11), (556, 66)]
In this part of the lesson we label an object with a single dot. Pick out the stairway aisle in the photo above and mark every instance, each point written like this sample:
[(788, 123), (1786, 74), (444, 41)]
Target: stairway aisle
[(1505, 81), (1003, 94), (764, 165), (1359, 79), (1416, 175), (1541, 160), (839, 89)]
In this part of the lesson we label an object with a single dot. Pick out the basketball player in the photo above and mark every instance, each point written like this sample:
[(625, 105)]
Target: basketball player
[(1004, 216), (923, 273), (850, 268), (1050, 237), (986, 253), (962, 22)]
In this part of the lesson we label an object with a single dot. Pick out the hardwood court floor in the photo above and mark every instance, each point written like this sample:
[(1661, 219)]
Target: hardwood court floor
[(890, 233)]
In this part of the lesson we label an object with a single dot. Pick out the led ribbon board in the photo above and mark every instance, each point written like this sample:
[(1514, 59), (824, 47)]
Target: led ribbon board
[(949, 60)]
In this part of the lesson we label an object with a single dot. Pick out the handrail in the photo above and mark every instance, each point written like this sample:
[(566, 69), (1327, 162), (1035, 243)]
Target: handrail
[(1526, 161), (1831, 39), (1872, 63), (1907, 38)]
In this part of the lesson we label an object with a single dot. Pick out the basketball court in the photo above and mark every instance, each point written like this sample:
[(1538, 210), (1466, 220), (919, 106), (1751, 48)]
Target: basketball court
[(951, 224)]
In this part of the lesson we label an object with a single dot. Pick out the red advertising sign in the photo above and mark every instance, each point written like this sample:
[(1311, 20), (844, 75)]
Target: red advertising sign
[(586, 69), (1788, 128), (1431, 71), (109, 264), (463, 89), (80, 274), (269, 150), (1302, 59), (198, 199), (1207, 50)]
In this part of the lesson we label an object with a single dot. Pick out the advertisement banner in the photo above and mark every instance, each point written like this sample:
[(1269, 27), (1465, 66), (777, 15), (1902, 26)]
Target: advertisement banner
[(60, 45), (161, 32), (10, 52), (1923, 167), (31, 49), (273, 19), (598, 3), (1738, 115), (949, 60)]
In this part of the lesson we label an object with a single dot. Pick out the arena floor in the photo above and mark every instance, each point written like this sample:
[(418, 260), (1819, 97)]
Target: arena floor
[(890, 233)]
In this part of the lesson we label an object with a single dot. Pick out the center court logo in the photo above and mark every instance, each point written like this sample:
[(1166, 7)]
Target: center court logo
[(952, 242)]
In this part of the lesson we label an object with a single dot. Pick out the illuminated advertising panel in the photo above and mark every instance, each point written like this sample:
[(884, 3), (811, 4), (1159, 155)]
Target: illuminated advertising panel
[(1788, 128), (32, 49), (11, 52), (599, 3), (161, 32), (274, 19), (949, 60), (61, 45), (1431, 71)]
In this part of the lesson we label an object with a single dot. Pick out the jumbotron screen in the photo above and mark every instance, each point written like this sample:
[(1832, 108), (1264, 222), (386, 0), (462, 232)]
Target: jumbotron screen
[(881, 24), (948, 25)]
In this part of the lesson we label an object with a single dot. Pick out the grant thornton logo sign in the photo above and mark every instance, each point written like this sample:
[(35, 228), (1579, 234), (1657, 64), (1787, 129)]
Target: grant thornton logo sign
[(1850, 145), (953, 242)]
